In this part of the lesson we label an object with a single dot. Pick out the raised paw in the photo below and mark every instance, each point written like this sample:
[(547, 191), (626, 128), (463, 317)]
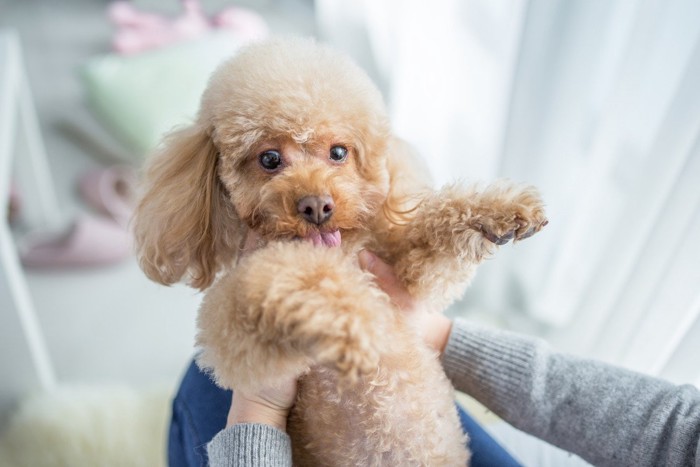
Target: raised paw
[(509, 212), (322, 305), (350, 347)]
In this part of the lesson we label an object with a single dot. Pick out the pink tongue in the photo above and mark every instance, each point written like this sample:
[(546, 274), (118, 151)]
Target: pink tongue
[(329, 239)]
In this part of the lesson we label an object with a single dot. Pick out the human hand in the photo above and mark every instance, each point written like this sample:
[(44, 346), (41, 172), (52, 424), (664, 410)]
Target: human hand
[(270, 406), (434, 328)]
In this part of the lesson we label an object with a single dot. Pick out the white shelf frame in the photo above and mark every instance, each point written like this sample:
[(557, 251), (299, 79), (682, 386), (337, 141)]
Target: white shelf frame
[(24, 359)]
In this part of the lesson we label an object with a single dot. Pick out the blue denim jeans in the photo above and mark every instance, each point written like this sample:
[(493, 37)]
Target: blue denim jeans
[(200, 409)]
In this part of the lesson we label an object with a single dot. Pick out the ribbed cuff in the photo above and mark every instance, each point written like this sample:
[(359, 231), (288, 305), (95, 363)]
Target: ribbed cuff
[(495, 367), (250, 444)]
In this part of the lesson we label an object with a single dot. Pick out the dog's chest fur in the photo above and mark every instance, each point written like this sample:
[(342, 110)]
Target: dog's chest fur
[(403, 415)]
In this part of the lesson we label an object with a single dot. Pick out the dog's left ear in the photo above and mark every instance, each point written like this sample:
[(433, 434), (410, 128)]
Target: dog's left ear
[(185, 223)]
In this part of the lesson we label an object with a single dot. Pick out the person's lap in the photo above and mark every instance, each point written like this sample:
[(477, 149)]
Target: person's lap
[(200, 409)]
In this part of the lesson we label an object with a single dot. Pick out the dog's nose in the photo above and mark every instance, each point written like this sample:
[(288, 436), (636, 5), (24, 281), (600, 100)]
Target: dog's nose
[(316, 209)]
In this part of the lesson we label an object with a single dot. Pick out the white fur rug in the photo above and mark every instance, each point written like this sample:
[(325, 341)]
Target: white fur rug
[(88, 426)]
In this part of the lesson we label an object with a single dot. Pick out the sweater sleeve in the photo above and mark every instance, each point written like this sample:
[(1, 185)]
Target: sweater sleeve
[(607, 415), (249, 444)]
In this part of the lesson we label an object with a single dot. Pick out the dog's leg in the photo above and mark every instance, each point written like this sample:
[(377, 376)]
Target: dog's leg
[(454, 229), (286, 307)]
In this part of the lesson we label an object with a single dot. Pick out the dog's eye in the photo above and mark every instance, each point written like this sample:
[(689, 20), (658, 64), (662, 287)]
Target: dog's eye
[(338, 153), (270, 160)]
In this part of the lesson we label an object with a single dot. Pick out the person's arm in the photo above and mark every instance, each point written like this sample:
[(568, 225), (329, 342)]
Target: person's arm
[(605, 414), (250, 444), (255, 429)]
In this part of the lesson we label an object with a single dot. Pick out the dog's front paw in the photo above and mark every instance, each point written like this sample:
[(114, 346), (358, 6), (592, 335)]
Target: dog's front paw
[(350, 345), (320, 304), (510, 212)]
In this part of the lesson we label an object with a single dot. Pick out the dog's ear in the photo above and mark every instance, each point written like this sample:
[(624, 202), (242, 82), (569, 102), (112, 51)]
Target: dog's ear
[(409, 180), (185, 223)]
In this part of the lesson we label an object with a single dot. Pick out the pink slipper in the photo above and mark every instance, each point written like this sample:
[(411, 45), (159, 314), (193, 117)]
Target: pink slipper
[(246, 23), (124, 15), (138, 31), (87, 242), (110, 191)]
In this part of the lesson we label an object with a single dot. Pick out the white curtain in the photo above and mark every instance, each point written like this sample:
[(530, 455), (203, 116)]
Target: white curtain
[(445, 68), (596, 102)]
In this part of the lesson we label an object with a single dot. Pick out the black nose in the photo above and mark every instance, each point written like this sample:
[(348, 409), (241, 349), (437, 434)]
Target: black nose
[(316, 209)]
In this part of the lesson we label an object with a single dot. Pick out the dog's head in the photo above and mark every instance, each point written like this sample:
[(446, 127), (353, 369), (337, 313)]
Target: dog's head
[(290, 141)]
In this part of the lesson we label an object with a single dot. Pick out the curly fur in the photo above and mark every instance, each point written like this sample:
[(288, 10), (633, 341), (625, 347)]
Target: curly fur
[(375, 395)]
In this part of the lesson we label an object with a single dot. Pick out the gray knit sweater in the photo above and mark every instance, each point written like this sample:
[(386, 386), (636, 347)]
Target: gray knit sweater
[(607, 415)]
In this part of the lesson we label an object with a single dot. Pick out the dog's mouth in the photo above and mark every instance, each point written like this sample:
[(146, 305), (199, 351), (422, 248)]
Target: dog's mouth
[(328, 239)]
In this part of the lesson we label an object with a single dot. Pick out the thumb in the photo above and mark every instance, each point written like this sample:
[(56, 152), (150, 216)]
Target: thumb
[(371, 263), (385, 279)]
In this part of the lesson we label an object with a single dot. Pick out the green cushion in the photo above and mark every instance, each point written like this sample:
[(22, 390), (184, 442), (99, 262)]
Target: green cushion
[(141, 97)]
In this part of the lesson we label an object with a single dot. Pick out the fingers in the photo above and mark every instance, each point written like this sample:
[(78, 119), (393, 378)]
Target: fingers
[(385, 277), (386, 280), (371, 263)]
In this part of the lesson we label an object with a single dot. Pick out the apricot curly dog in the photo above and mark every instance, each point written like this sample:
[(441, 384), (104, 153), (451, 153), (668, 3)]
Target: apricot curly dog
[(292, 141)]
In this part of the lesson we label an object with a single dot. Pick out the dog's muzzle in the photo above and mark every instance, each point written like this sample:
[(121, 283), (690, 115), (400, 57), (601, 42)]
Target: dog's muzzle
[(316, 209)]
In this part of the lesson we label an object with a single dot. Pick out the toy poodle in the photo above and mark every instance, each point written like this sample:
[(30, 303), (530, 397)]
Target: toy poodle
[(292, 142)]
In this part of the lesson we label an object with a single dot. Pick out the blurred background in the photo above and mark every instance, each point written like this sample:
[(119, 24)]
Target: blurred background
[(596, 102)]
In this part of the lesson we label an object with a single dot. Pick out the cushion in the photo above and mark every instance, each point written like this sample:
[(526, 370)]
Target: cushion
[(141, 97)]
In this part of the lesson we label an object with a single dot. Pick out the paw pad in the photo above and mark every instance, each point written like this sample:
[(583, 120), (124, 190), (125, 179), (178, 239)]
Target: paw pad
[(498, 240), (518, 230)]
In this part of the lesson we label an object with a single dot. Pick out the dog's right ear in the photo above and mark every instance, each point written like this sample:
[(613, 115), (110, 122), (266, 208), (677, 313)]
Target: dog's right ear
[(185, 223)]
